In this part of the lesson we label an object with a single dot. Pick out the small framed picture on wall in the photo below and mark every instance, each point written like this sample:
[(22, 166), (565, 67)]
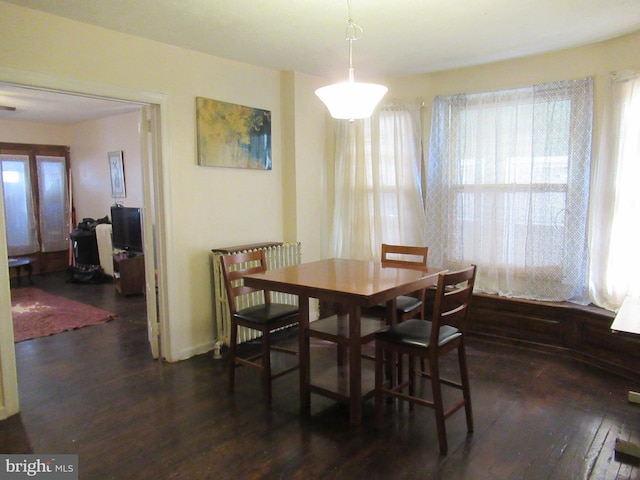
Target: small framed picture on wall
[(116, 169)]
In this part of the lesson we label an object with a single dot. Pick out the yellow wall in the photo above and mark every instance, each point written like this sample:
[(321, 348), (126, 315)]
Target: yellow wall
[(304, 192), (34, 132), (205, 207), (9, 403), (596, 60)]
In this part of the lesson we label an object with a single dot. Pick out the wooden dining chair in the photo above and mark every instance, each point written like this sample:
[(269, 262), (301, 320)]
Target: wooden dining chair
[(265, 317), (403, 256), (429, 340)]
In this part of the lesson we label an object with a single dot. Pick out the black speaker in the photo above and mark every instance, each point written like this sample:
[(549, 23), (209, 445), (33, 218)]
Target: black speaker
[(85, 247)]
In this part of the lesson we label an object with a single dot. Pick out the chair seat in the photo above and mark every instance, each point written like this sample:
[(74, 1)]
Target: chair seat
[(428, 340), (266, 318), (269, 313), (416, 333), (404, 304)]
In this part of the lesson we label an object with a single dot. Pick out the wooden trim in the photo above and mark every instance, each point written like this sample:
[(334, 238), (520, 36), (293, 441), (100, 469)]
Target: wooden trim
[(581, 332), (242, 248)]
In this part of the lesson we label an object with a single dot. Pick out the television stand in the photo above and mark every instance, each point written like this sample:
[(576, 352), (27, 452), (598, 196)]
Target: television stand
[(128, 274)]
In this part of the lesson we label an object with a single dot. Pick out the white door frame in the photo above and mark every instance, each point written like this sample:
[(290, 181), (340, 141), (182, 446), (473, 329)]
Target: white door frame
[(154, 179)]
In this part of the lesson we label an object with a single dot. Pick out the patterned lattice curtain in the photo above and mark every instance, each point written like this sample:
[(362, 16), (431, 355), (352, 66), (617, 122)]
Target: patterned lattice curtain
[(508, 188)]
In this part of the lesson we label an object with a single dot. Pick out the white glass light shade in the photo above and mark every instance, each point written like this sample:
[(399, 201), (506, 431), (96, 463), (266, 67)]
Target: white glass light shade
[(351, 100)]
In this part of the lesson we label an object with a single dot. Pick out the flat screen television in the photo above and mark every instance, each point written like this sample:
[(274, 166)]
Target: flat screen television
[(126, 229)]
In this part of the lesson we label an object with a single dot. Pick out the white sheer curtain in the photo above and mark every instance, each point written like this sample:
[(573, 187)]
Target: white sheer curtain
[(508, 186), (54, 203), (615, 207), (20, 215), (375, 178)]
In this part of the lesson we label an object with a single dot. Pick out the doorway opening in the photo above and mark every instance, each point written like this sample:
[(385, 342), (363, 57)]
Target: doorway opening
[(148, 146)]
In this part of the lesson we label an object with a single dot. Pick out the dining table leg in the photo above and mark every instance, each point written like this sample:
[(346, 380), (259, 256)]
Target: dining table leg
[(304, 352), (355, 366), (394, 361), (343, 318)]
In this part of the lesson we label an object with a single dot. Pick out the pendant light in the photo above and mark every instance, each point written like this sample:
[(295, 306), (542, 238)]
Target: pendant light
[(351, 100)]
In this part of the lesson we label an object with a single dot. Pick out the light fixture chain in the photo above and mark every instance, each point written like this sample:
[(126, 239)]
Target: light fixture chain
[(351, 100), (353, 32)]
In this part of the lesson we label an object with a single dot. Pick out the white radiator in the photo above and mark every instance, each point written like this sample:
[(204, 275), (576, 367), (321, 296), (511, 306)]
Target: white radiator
[(278, 255)]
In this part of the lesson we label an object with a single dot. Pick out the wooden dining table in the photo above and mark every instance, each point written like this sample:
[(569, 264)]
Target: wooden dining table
[(352, 284)]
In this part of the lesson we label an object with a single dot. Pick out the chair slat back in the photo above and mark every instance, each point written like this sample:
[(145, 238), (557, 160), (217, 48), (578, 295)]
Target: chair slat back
[(235, 267), (453, 297), (404, 256)]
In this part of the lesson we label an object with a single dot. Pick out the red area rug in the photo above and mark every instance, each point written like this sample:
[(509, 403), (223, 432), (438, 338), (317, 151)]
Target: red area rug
[(38, 314)]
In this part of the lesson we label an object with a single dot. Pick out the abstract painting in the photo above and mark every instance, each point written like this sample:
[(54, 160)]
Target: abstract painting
[(231, 135)]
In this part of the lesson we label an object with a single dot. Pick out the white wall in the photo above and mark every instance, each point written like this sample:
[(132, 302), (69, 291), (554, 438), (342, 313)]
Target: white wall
[(90, 141)]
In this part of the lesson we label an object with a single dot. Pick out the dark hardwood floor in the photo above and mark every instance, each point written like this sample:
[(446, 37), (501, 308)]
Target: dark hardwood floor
[(96, 392)]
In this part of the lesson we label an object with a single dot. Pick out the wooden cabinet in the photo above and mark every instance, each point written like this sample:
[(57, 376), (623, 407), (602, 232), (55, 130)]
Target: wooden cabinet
[(128, 274), (582, 332)]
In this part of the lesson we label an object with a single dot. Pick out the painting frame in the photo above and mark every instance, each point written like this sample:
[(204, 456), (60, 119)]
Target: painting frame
[(232, 135), (116, 173)]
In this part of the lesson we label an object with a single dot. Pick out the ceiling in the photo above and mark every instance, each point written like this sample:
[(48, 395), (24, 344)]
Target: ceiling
[(401, 37), (53, 107)]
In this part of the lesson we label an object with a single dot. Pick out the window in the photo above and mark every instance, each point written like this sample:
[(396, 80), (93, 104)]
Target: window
[(36, 198), (376, 178), (508, 188), (54, 203), (22, 235)]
